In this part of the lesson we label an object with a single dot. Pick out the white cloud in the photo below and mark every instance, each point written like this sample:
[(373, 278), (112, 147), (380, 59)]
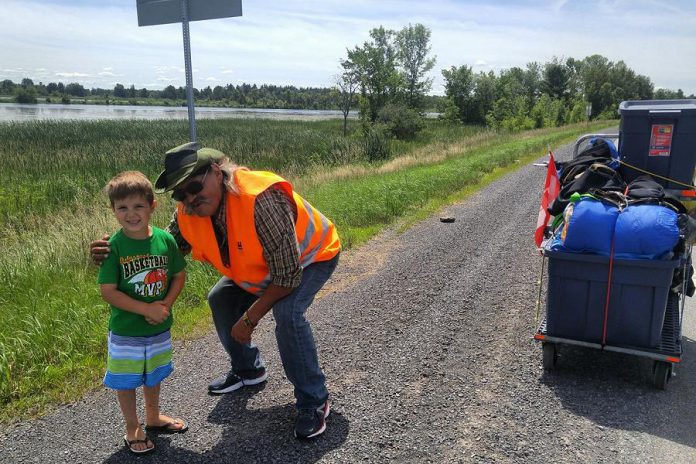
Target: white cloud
[(166, 69), (72, 74), (13, 70), (302, 42)]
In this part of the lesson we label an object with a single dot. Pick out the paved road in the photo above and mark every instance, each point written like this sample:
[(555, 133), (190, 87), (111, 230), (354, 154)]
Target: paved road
[(425, 338)]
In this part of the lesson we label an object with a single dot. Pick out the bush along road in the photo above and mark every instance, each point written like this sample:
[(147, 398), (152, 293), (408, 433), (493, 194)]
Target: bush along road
[(425, 337)]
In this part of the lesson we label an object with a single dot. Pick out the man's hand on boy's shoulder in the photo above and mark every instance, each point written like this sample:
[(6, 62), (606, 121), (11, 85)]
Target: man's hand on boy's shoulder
[(99, 250)]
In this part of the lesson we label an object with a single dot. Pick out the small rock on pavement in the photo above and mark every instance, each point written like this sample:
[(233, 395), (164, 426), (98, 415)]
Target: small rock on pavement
[(447, 219)]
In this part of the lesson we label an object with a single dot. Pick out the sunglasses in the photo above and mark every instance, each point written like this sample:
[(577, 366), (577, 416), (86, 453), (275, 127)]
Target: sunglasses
[(192, 188)]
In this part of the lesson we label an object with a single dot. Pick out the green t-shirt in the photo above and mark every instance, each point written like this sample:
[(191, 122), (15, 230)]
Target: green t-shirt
[(142, 270)]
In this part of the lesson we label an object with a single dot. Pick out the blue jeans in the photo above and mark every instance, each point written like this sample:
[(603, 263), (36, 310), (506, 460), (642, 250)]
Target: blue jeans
[(298, 352)]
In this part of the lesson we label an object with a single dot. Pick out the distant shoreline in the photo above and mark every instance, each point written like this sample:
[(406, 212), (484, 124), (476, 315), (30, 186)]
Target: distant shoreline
[(17, 112), (9, 99)]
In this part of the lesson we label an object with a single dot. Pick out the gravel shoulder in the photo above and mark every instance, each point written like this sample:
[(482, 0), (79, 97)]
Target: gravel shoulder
[(426, 341)]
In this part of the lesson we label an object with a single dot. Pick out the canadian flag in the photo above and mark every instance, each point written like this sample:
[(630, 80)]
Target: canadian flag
[(551, 188)]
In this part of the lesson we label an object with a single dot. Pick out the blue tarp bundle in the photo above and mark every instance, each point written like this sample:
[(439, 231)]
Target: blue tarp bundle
[(588, 226), (642, 231), (646, 231)]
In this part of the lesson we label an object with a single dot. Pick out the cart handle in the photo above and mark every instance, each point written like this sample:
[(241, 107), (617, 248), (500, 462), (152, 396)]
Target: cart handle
[(582, 138)]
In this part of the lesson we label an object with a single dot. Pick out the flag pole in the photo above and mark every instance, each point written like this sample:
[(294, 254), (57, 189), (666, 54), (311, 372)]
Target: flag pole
[(549, 194)]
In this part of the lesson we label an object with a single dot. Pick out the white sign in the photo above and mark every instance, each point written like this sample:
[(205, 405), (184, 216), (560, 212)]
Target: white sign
[(153, 12)]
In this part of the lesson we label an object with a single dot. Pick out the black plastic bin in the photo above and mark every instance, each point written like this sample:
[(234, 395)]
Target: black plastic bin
[(659, 136), (577, 291)]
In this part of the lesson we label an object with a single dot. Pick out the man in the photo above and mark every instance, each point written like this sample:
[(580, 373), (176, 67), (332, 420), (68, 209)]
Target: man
[(274, 251)]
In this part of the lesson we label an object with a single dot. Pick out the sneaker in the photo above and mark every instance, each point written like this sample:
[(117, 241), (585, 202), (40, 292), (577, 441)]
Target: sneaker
[(230, 382), (311, 422)]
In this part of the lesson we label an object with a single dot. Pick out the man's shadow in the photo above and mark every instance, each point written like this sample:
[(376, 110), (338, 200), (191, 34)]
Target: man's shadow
[(249, 435), (615, 390)]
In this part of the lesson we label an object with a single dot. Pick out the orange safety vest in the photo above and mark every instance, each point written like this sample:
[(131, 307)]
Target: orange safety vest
[(317, 239)]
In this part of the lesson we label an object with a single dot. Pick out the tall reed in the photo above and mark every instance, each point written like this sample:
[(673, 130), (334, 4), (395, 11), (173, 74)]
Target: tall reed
[(47, 164)]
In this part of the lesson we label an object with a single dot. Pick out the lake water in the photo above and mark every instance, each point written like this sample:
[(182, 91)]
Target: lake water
[(42, 111)]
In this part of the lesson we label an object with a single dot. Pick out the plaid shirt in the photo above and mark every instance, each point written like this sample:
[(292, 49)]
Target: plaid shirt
[(274, 216)]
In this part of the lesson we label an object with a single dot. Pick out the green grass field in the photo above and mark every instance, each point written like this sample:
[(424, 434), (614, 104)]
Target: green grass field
[(52, 319), (60, 162)]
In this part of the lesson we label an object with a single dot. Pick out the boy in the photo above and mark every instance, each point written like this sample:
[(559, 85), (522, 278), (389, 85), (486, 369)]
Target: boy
[(140, 279)]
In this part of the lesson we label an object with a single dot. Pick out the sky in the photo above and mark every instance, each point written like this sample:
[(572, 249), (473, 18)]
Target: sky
[(98, 43)]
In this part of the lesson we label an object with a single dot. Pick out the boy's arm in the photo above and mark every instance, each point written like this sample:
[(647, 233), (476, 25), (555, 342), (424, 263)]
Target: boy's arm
[(175, 287), (157, 311)]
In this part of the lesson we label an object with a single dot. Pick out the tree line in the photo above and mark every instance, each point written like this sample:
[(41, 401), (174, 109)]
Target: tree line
[(546, 95), (239, 96), (388, 75)]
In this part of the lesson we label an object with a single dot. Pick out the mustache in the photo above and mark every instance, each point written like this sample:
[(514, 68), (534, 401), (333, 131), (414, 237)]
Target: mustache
[(189, 208)]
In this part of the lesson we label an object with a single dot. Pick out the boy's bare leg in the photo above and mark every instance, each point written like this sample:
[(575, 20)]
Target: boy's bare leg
[(126, 399), (153, 418)]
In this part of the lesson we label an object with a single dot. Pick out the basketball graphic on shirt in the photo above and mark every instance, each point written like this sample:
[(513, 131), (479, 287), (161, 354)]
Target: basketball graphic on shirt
[(158, 275)]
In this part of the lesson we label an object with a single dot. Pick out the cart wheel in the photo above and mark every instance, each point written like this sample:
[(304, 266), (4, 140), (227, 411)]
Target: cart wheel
[(549, 355), (662, 371)]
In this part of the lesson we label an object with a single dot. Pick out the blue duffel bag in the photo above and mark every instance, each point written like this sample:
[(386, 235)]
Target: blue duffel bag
[(588, 226), (646, 232)]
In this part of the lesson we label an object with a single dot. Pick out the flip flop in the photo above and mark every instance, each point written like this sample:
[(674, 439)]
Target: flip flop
[(169, 427), (129, 445)]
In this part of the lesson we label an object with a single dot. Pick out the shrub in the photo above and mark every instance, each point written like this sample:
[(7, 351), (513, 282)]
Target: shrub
[(450, 113), (25, 95), (518, 123), (511, 115), (548, 112), (578, 113), (400, 121), (611, 112)]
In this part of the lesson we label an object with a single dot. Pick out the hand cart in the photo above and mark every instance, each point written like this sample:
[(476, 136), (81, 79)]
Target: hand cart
[(665, 355), (665, 347)]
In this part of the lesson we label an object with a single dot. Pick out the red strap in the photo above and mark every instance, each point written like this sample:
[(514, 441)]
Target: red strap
[(606, 304)]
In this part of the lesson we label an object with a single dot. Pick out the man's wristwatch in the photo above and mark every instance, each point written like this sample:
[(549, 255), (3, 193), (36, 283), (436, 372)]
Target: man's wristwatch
[(247, 321)]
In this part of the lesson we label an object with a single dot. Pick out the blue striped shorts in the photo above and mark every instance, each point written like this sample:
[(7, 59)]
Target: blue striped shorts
[(136, 361)]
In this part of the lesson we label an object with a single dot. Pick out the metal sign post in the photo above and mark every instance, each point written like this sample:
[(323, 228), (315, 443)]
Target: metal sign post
[(189, 73), (153, 12)]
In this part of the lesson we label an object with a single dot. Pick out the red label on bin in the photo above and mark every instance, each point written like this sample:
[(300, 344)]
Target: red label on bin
[(661, 139)]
